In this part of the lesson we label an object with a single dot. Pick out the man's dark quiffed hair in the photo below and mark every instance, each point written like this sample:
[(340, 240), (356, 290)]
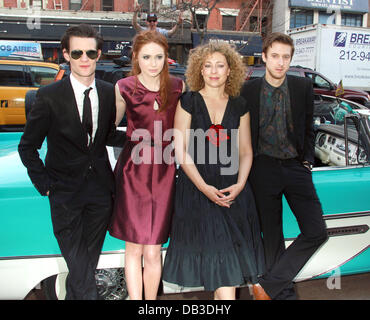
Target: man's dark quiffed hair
[(81, 31), (277, 37)]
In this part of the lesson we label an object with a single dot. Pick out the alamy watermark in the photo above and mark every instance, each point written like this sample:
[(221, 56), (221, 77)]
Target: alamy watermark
[(334, 280), (34, 18), (211, 147)]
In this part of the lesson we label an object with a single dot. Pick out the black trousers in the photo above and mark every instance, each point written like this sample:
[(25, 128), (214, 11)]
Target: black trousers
[(270, 179), (80, 220)]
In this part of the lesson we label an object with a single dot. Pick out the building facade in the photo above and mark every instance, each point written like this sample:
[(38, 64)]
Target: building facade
[(241, 22), (289, 14)]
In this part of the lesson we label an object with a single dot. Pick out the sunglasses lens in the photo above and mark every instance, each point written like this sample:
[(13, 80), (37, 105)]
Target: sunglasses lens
[(76, 54), (92, 54)]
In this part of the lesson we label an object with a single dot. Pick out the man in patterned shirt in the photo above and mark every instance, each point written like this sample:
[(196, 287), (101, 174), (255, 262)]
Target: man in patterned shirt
[(281, 108)]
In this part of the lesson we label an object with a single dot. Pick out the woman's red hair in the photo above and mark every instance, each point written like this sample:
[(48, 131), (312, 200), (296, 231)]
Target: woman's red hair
[(142, 39)]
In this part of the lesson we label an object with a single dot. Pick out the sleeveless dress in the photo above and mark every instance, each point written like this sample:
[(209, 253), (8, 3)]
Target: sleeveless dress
[(145, 181), (212, 246)]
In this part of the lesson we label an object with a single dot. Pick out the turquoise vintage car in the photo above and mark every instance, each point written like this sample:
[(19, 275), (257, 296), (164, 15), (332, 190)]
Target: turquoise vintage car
[(30, 257)]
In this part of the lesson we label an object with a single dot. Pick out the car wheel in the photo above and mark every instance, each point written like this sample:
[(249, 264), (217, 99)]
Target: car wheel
[(111, 284), (29, 101)]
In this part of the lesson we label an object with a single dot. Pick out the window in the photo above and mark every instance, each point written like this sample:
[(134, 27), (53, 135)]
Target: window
[(294, 73), (201, 18), (228, 22), (326, 18), (41, 76), (351, 19), (75, 4), (253, 24), (300, 17), (318, 82), (168, 3), (107, 5), (258, 73), (12, 76)]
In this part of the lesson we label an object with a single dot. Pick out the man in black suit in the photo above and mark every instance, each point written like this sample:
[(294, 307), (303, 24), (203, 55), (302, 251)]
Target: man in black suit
[(77, 116), (283, 145)]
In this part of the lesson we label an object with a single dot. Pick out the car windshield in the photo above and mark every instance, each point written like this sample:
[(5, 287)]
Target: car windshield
[(364, 130)]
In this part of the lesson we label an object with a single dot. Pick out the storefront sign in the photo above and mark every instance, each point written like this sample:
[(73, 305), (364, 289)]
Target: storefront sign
[(343, 5), (247, 45), (117, 47), (20, 49)]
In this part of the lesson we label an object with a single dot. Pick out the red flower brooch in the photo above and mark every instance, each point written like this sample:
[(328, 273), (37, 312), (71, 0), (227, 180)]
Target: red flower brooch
[(216, 134)]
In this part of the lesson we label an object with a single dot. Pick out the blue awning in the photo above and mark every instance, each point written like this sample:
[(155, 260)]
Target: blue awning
[(247, 43)]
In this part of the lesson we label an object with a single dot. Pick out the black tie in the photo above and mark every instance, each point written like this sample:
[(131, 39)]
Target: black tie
[(87, 114)]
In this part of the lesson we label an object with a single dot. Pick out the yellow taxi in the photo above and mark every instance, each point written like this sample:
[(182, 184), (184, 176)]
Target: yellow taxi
[(16, 78)]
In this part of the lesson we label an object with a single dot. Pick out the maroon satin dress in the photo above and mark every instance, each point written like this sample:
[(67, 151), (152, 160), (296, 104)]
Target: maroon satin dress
[(145, 183)]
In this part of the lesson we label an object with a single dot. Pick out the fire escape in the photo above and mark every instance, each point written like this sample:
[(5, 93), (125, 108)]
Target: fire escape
[(58, 5), (259, 10)]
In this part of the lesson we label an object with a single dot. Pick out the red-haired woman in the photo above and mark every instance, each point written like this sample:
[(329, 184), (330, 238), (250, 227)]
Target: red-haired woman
[(145, 179)]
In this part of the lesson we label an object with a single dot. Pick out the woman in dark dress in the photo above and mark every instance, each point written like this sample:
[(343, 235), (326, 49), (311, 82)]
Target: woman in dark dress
[(145, 178), (215, 240)]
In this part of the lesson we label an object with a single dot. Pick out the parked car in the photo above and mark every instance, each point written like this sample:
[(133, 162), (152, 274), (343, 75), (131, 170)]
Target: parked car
[(17, 76), (329, 109), (321, 84), (30, 256)]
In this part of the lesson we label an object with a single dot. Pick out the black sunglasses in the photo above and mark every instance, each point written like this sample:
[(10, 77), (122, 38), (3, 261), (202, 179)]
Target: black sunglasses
[(77, 54), (152, 20)]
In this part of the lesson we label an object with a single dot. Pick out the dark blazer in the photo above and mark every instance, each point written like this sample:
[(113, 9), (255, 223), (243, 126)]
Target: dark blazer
[(55, 116), (301, 102)]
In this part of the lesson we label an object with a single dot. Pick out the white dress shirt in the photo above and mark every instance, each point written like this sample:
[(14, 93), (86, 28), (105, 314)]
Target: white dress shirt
[(79, 89)]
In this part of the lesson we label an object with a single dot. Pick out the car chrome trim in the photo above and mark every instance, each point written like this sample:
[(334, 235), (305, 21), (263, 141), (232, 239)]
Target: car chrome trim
[(337, 266), (344, 230), (349, 230), (340, 167), (346, 215)]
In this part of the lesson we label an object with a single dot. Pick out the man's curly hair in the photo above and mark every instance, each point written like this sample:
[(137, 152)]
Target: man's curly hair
[(197, 57)]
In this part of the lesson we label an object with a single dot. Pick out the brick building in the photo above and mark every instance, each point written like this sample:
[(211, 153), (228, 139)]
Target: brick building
[(241, 22)]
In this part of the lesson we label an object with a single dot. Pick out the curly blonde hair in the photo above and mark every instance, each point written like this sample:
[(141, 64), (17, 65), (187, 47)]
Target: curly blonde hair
[(198, 55)]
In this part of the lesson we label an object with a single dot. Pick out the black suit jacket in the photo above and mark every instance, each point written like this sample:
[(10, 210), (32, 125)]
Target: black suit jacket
[(55, 116), (301, 102)]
